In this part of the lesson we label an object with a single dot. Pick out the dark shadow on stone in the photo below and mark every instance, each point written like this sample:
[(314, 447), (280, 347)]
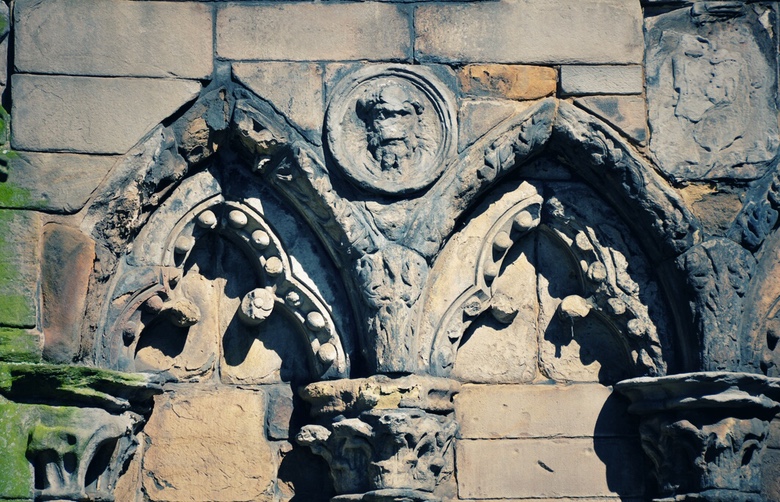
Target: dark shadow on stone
[(307, 475), (616, 443), (165, 337)]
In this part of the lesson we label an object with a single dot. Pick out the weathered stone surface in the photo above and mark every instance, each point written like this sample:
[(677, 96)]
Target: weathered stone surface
[(300, 32), (710, 94), (586, 79), (279, 413), (68, 257), (771, 463), (60, 182), (19, 267), (507, 81), (506, 350), (530, 31), (477, 116), (208, 446), (716, 205), (627, 114), (528, 411), (717, 273), (295, 89), (571, 467), (92, 115), (114, 38)]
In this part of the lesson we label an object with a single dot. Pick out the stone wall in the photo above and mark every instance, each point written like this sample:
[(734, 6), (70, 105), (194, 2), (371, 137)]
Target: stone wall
[(389, 250)]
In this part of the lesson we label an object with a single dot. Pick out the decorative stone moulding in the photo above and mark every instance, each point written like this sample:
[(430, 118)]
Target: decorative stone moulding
[(705, 433), (385, 439), (279, 289), (391, 128), (79, 441)]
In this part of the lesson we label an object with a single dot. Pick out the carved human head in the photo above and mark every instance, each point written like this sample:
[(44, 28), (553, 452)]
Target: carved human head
[(391, 115)]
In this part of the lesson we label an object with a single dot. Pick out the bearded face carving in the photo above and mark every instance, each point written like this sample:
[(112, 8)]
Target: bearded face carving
[(392, 118)]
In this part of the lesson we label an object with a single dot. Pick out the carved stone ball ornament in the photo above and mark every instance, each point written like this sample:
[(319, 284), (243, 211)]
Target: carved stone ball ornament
[(391, 128)]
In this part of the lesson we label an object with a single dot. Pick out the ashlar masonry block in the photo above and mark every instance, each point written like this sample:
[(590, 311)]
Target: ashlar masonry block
[(91, 115), (114, 38), (565, 467), (607, 79), (19, 263), (531, 32), (321, 31)]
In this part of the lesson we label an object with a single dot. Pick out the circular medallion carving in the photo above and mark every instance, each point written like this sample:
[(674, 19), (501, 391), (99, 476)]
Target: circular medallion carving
[(390, 128)]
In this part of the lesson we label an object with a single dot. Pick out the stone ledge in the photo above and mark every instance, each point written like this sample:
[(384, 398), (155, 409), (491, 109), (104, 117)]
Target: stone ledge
[(316, 32), (115, 38)]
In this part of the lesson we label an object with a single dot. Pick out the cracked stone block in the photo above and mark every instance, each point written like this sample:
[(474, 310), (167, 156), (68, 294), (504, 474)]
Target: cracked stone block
[(205, 445), (586, 79), (91, 115), (327, 31), (114, 38), (530, 32)]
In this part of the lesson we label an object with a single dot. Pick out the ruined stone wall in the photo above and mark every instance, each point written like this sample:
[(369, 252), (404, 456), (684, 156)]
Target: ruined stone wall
[(389, 250)]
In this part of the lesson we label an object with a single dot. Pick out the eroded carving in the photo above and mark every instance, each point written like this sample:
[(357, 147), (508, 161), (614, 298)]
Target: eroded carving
[(705, 433), (710, 80), (391, 438)]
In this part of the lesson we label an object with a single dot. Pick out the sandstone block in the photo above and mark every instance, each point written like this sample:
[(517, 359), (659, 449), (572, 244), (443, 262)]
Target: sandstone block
[(531, 32), (584, 79), (294, 89), (59, 182), (508, 81), (208, 446), (19, 259), (280, 410), (517, 411), (68, 256), (91, 115), (114, 38), (478, 116), (300, 32), (627, 114), (553, 468)]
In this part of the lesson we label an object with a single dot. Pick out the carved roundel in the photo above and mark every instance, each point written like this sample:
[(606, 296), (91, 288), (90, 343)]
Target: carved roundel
[(391, 128)]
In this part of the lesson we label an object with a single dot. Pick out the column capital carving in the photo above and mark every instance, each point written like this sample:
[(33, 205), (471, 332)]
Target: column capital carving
[(705, 433), (385, 439)]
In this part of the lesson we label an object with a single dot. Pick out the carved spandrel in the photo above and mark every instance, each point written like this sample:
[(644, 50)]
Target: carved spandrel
[(710, 84)]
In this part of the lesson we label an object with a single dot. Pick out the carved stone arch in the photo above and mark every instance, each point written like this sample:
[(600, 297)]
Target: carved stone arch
[(176, 190), (655, 215)]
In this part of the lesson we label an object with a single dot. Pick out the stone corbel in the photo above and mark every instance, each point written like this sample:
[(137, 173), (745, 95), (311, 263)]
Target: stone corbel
[(77, 444), (705, 433), (386, 440)]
